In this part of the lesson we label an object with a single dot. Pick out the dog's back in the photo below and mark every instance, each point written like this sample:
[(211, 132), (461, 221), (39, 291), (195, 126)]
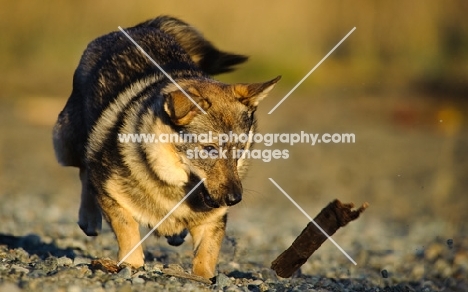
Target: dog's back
[(101, 58)]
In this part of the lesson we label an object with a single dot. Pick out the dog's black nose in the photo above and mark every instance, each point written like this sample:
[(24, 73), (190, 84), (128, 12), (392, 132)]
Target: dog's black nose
[(233, 198)]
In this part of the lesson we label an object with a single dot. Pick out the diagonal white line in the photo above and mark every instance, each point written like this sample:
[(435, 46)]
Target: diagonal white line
[(310, 72), (160, 68), (160, 222), (312, 220)]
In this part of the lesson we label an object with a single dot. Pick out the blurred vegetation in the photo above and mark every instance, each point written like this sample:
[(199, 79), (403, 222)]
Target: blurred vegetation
[(398, 45)]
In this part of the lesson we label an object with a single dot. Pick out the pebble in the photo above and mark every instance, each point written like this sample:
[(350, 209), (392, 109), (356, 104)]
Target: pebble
[(234, 288), (64, 261), (80, 261), (268, 274), (138, 274), (22, 255), (223, 281), (125, 273), (19, 269), (50, 264), (37, 273), (255, 285), (138, 281)]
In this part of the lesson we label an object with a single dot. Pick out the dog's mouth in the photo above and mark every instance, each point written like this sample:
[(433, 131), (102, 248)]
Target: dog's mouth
[(204, 200), (201, 200), (208, 200)]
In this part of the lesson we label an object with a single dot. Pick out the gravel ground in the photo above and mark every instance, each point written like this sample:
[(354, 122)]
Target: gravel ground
[(401, 243), (57, 257)]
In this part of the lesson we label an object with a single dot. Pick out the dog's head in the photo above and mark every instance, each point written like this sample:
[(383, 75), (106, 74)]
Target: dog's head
[(214, 126)]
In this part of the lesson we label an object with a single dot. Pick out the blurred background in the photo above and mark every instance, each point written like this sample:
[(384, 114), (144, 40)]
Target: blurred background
[(399, 83)]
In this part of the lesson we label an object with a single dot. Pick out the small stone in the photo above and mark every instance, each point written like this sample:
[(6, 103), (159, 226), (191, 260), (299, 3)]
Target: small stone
[(384, 274), (38, 273), (269, 274), (138, 281), (264, 287), (254, 286), (19, 269), (81, 261), (256, 282), (138, 274), (222, 280), (154, 268), (234, 265), (49, 265), (233, 288), (22, 255), (64, 261), (125, 273), (118, 281)]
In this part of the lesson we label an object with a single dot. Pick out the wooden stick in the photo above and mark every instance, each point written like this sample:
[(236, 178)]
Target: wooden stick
[(331, 218), (110, 266), (183, 275)]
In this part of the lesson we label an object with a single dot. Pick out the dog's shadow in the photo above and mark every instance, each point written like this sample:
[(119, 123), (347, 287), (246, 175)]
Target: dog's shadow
[(33, 245)]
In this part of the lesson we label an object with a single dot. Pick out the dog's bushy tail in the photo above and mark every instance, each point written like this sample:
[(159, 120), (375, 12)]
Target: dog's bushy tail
[(211, 60)]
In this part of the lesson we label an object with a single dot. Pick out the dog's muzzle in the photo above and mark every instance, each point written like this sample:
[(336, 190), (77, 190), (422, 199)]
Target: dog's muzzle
[(232, 195)]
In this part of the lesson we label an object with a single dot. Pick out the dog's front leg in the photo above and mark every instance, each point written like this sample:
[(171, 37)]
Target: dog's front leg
[(207, 239), (126, 230)]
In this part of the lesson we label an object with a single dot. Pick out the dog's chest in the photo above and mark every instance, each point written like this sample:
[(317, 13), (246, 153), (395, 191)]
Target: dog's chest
[(151, 208)]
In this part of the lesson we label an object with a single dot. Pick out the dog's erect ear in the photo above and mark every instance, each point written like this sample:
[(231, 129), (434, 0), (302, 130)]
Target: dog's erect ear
[(252, 94), (181, 109)]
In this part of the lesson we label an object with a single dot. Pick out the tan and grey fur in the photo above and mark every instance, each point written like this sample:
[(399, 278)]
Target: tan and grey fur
[(117, 90)]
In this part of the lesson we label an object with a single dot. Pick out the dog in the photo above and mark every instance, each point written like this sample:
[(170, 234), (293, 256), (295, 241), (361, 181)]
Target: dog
[(117, 89)]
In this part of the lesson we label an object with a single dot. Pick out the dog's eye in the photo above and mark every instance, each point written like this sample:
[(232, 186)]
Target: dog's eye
[(209, 148)]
